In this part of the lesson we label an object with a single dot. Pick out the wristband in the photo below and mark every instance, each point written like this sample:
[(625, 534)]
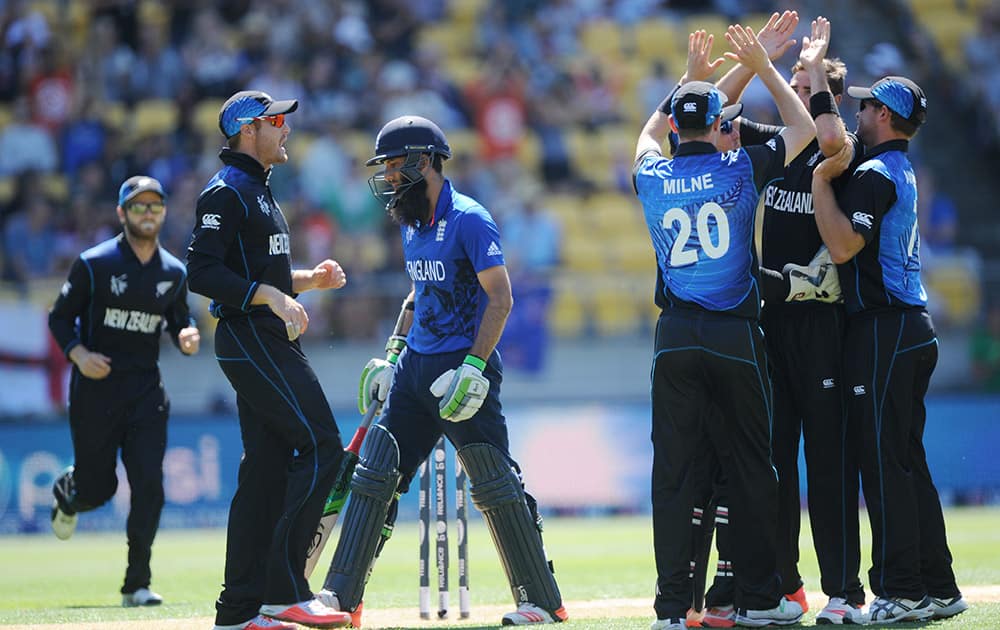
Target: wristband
[(664, 106), (822, 103), (394, 346), (409, 306), (474, 361)]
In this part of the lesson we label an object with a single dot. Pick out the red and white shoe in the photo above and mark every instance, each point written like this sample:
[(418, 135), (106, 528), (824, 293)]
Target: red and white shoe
[(529, 615), (719, 617), (840, 612), (330, 599), (310, 613), (799, 597), (260, 622)]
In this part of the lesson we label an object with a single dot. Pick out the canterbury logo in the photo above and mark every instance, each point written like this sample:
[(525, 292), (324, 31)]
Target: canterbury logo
[(211, 221), (859, 390), (862, 218), (828, 383)]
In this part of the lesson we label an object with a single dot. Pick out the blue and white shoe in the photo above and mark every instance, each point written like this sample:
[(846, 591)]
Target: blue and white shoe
[(895, 609)]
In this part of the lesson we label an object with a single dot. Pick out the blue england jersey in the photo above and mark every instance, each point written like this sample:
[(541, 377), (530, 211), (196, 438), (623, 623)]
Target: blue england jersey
[(442, 259), (699, 209), (881, 201)]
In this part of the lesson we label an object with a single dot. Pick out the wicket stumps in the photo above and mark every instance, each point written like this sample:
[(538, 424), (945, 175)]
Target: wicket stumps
[(437, 463)]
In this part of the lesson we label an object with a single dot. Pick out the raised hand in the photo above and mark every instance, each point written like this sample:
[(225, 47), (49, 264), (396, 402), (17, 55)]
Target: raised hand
[(776, 34), (814, 47), (699, 68), (746, 48), (461, 391)]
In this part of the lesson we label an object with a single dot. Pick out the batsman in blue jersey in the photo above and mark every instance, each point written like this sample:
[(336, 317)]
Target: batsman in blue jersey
[(889, 352), (709, 375), (441, 374)]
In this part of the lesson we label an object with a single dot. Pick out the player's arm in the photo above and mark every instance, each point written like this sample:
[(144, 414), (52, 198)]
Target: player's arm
[(830, 130), (74, 297), (775, 36), (219, 216), (799, 128), (867, 196), (181, 326), (326, 275), (496, 285)]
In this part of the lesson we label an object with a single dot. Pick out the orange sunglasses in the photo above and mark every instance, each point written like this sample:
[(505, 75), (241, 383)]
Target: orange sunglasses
[(277, 120)]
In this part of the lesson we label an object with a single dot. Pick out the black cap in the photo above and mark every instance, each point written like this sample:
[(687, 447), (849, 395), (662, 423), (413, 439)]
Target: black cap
[(409, 134), (137, 184), (899, 94), (247, 105), (697, 104)]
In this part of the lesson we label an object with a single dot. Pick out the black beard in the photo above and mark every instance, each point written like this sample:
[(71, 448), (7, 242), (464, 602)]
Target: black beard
[(411, 207)]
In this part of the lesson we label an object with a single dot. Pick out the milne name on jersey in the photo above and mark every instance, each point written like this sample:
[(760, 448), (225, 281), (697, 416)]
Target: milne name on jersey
[(424, 270), (279, 244), (788, 200), (133, 321), (687, 184)]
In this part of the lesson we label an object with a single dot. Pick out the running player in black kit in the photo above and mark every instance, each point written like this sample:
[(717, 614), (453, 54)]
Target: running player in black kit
[(240, 257), (108, 319)]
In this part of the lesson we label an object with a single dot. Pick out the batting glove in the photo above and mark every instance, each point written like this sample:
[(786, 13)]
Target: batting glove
[(461, 391), (816, 281), (376, 378)]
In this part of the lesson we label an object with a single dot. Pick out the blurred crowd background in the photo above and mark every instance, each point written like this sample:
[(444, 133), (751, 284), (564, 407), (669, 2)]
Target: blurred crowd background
[(541, 101)]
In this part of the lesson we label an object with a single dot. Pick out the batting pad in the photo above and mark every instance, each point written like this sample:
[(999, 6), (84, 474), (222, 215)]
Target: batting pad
[(496, 490), (372, 489)]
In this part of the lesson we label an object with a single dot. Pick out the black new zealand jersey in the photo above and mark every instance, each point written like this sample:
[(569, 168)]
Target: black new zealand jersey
[(790, 234), (115, 305), (240, 237)]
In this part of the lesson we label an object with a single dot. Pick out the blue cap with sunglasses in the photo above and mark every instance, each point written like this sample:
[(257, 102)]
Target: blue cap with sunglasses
[(899, 94), (139, 184), (244, 106)]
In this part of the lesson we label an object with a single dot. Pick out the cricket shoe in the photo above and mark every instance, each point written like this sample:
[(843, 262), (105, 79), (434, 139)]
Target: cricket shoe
[(141, 597), (838, 611), (330, 599), (693, 618), (260, 622), (785, 613), (948, 606), (800, 597), (312, 613), (668, 624), (529, 615), (894, 609), (63, 518), (719, 617)]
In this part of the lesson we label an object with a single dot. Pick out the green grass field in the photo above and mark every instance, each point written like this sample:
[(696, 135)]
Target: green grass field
[(46, 581)]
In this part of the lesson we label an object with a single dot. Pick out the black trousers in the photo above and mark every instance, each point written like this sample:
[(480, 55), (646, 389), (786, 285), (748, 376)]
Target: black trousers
[(703, 358), (291, 452), (126, 411), (804, 349), (888, 360)]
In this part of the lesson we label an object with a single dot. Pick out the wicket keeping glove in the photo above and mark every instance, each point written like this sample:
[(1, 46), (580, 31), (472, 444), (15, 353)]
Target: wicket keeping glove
[(376, 378), (462, 391), (816, 281)]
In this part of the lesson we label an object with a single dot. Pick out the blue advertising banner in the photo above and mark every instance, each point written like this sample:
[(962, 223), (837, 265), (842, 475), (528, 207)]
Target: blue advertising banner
[(575, 458)]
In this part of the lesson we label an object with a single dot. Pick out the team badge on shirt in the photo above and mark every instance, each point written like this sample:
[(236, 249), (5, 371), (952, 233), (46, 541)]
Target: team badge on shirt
[(66, 288), (163, 287), (119, 284), (265, 207), (442, 224)]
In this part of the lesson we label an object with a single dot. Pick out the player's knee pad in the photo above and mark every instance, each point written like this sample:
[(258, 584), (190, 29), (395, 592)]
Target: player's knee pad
[(496, 491), (373, 487)]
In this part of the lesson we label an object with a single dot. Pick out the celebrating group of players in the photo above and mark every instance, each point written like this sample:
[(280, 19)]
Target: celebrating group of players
[(734, 383)]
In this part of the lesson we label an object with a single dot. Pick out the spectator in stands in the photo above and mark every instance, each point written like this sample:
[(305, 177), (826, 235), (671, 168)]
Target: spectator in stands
[(937, 214), (25, 145), (29, 243)]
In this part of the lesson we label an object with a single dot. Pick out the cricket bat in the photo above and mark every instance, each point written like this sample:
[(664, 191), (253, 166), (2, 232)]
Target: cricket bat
[(341, 488)]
